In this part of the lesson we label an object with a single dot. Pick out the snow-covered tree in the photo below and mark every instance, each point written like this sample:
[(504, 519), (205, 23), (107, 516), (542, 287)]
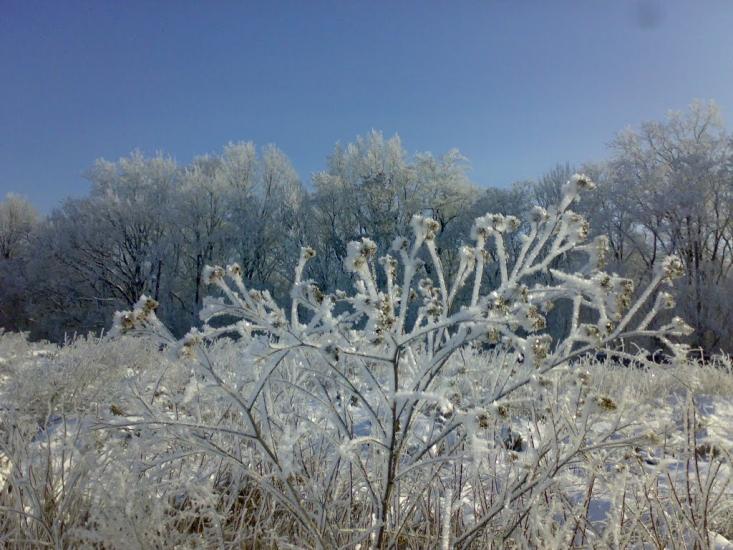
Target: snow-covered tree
[(673, 184), (17, 220), (373, 188)]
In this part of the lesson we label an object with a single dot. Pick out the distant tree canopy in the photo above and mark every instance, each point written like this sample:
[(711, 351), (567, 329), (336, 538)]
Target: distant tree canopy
[(150, 226)]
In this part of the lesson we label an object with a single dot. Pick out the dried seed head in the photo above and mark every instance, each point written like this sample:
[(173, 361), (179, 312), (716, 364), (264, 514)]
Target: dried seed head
[(493, 336), (673, 268), (681, 327), (666, 300), (605, 403), (590, 331), (400, 243), (578, 182), (540, 346), (368, 248), (149, 305), (127, 321), (539, 215), (213, 274), (431, 228), (601, 251), (583, 182), (584, 378), (234, 270), (190, 343)]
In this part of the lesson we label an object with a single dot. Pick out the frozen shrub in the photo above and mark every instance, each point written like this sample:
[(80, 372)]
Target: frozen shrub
[(369, 417)]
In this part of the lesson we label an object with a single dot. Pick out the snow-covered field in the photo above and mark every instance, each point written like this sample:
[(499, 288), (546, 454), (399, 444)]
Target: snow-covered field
[(103, 444)]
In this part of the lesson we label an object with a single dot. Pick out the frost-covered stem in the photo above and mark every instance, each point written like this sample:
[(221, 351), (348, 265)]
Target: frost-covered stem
[(586, 507), (452, 321), (565, 357), (479, 252), (372, 357), (430, 243), (526, 484), (551, 255), (389, 275), (523, 252), (392, 455), (648, 291), (436, 362), (294, 321), (365, 274), (244, 301), (357, 393), (539, 245), (269, 452), (291, 500), (409, 268), (511, 494), (415, 463), (457, 341), (501, 255), (458, 282), (441, 279), (576, 314), (380, 391), (445, 527), (431, 372), (651, 315)]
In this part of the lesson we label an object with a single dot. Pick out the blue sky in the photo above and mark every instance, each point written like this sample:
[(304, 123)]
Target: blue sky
[(516, 85)]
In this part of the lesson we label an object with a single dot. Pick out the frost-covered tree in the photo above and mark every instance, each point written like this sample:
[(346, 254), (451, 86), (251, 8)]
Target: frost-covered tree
[(200, 211), (266, 198), (547, 190), (125, 209), (373, 188), (96, 253), (672, 186), (149, 226), (17, 220), (238, 204)]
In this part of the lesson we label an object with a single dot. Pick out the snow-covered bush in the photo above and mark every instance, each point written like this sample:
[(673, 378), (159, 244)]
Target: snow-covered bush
[(415, 409), (63, 482), (161, 485)]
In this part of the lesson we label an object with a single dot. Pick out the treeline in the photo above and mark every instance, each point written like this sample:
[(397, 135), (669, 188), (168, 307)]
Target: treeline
[(150, 226)]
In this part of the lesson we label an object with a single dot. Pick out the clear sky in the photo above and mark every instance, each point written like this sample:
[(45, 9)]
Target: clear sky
[(516, 85)]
